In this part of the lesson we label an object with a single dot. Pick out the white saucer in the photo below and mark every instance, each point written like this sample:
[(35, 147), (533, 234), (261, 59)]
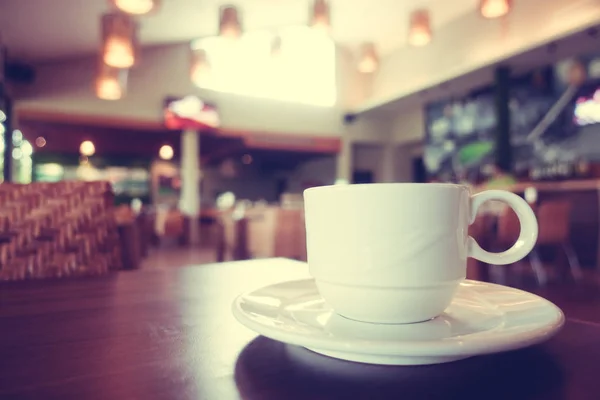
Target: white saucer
[(483, 318)]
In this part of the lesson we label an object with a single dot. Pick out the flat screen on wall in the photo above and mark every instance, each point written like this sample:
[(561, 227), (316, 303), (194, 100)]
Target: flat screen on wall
[(190, 112)]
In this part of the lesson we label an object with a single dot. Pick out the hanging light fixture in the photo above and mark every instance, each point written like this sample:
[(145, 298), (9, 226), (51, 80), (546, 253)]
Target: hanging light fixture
[(320, 15), (200, 67), (229, 22), (110, 82), (494, 8), (419, 31), (119, 40), (136, 7), (369, 61)]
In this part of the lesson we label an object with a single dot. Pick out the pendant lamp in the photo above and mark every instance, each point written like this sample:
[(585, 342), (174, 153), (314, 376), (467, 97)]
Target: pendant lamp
[(320, 15), (369, 61), (419, 31), (229, 22), (119, 40), (136, 7), (494, 8), (110, 82)]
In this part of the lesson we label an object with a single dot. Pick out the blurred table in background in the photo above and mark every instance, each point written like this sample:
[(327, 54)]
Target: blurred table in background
[(262, 232)]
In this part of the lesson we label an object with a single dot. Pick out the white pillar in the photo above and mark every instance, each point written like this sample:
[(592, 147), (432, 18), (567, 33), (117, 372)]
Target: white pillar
[(344, 162), (387, 166), (189, 200)]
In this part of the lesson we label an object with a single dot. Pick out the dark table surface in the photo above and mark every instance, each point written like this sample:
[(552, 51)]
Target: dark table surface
[(169, 334)]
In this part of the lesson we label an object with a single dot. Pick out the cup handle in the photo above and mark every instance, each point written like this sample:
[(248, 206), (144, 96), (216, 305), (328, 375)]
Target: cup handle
[(527, 236)]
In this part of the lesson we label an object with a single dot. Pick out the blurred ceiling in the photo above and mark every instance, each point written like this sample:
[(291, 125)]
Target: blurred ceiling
[(40, 30), (583, 42)]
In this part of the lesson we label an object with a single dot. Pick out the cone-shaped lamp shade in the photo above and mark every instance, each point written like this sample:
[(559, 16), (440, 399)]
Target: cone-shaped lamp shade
[(419, 33), (200, 67), (229, 22), (136, 7), (494, 8), (319, 18), (369, 61), (111, 83), (119, 40)]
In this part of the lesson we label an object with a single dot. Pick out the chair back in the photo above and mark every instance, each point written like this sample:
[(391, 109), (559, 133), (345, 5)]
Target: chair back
[(554, 220), (290, 236)]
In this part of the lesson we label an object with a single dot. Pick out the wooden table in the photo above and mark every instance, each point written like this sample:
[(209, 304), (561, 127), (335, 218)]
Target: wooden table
[(169, 334)]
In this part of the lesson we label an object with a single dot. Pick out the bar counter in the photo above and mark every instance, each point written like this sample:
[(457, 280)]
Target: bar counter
[(558, 186)]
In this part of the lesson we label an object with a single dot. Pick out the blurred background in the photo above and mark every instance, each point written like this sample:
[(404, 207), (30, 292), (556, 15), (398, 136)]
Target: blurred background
[(208, 119)]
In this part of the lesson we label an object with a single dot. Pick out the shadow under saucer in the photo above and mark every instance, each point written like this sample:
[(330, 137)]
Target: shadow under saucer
[(267, 369)]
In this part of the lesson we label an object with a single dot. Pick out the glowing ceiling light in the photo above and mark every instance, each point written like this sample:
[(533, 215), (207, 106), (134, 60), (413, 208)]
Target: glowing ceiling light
[(229, 22), (87, 148), (119, 40), (494, 8), (166, 152), (136, 7), (419, 31), (110, 83), (320, 15), (369, 61), (108, 89)]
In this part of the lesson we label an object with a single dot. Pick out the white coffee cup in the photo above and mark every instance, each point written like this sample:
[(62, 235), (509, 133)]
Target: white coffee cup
[(396, 253)]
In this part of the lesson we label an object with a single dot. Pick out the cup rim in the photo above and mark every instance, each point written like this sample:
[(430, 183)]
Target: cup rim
[(366, 186)]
